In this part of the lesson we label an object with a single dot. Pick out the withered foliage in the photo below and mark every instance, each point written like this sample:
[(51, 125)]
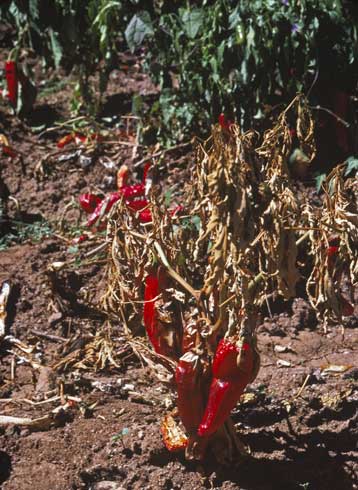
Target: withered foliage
[(334, 230), (238, 242), (235, 246)]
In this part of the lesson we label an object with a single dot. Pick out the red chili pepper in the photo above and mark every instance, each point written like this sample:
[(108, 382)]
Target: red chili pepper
[(145, 216), (347, 308), (332, 251), (103, 207), (80, 239), (132, 191), (153, 287), (79, 138), (155, 284), (65, 140), (7, 150), (11, 81), (138, 204), (145, 172), (190, 398), (232, 371), (224, 123), (122, 176), (89, 202)]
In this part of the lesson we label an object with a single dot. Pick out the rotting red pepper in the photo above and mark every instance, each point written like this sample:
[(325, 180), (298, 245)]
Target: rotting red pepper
[(11, 76), (89, 202), (232, 371), (77, 138), (190, 399)]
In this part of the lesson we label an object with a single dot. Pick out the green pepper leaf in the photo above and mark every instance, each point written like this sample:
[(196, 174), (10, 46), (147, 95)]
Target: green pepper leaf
[(138, 28)]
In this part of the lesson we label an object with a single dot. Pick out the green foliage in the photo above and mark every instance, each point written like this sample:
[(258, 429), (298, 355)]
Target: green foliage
[(23, 232), (241, 57), (75, 34), (352, 165)]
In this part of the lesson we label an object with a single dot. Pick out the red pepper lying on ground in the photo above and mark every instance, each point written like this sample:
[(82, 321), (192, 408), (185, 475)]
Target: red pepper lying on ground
[(232, 370), (89, 202), (77, 138)]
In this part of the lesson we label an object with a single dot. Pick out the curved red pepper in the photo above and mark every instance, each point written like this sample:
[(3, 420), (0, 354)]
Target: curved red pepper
[(89, 202), (231, 374), (190, 399)]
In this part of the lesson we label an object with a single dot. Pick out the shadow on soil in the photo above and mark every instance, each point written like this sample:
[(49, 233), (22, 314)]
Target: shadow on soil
[(43, 114), (311, 462), (5, 466)]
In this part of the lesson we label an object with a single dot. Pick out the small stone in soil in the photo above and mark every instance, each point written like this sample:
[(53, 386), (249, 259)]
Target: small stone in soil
[(107, 485), (54, 319)]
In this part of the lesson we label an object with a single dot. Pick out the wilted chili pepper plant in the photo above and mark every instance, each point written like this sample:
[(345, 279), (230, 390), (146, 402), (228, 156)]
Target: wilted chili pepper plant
[(197, 281)]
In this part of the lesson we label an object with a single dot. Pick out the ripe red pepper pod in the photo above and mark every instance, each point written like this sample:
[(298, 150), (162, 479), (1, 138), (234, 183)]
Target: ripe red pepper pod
[(347, 308), (103, 207), (232, 370), (145, 172), (132, 191), (190, 399), (11, 76), (161, 332), (223, 122), (89, 202), (137, 205), (65, 140), (154, 282)]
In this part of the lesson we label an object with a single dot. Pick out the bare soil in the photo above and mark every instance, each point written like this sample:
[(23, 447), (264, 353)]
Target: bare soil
[(299, 425)]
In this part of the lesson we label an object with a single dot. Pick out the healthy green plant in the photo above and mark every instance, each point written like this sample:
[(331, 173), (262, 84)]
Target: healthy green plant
[(73, 34), (239, 57), (245, 57)]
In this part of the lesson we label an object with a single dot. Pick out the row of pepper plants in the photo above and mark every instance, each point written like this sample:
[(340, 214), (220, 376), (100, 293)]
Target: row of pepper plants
[(242, 57)]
